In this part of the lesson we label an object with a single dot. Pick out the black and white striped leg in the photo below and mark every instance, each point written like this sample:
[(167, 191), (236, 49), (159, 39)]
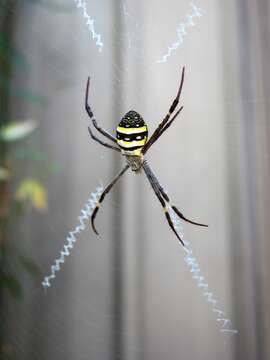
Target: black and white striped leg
[(166, 198), (91, 115), (102, 142), (166, 126), (102, 196), (162, 201), (160, 127)]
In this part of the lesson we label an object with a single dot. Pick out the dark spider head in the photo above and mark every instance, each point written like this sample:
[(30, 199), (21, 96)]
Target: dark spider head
[(132, 120)]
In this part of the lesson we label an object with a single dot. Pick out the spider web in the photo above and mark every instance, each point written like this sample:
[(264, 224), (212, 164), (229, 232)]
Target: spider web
[(130, 38)]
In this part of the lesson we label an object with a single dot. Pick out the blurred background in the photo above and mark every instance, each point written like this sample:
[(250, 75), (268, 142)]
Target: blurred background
[(129, 293)]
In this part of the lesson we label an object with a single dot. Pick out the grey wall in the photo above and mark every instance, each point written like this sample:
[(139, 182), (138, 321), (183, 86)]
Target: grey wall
[(128, 293)]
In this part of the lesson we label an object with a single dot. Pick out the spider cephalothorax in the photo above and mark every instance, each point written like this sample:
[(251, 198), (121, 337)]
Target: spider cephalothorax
[(131, 136), (132, 141)]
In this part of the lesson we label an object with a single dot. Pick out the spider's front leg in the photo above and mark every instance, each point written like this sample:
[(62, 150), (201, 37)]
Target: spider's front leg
[(102, 142), (165, 124), (98, 128)]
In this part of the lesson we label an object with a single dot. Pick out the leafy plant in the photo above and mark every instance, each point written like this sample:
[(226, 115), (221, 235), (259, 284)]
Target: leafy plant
[(19, 195)]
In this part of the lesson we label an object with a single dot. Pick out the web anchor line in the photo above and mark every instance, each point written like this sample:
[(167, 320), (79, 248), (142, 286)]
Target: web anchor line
[(71, 238), (225, 324), (90, 23)]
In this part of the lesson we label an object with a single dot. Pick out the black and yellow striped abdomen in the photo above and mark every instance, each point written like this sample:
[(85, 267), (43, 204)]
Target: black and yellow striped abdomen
[(132, 133)]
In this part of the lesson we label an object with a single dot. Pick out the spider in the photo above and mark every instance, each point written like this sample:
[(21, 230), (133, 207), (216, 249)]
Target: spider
[(132, 142)]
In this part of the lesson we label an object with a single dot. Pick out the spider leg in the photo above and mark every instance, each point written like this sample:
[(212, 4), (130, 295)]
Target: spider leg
[(102, 142), (166, 197), (157, 136), (102, 196), (175, 102), (161, 200), (91, 115)]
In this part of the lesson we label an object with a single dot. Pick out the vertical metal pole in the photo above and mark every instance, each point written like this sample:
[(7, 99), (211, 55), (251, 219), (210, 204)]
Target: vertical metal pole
[(263, 20), (240, 245), (7, 11), (117, 238)]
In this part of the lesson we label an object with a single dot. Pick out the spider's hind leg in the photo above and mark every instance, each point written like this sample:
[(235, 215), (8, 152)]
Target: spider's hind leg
[(102, 196), (167, 199), (174, 208), (154, 186)]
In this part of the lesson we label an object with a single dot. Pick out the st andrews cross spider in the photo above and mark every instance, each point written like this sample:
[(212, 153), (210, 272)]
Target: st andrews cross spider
[(132, 141)]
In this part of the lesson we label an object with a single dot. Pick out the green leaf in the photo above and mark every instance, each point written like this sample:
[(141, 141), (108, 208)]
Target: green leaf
[(17, 130), (12, 284), (18, 208), (24, 94), (29, 265), (33, 191), (29, 96), (54, 5), (11, 54), (1, 254), (4, 174), (55, 168), (32, 154)]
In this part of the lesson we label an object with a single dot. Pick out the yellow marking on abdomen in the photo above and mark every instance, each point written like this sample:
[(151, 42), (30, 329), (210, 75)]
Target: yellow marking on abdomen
[(136, 152), (131, 130), (131, 143)]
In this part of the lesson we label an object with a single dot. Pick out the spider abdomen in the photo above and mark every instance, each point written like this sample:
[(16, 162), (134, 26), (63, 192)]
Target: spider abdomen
[(131, 133)]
